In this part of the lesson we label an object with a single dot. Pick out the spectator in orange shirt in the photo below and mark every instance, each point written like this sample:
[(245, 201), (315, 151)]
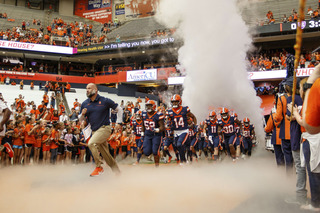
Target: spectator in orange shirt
[(268, 64), (35, 112), (18, 138), (42, 107), (302, 61), (46, 99), (68, 87), (32, 85), (124, 144), (280, 116), (311, 108), (61, 108), (20, 102), (76, 104), (29, 138)]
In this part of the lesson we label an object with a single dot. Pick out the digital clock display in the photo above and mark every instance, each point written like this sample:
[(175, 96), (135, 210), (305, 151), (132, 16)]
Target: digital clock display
[(310, 24)]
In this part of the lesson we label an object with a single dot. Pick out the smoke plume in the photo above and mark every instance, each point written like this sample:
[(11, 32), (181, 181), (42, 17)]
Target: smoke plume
[(216, 41)]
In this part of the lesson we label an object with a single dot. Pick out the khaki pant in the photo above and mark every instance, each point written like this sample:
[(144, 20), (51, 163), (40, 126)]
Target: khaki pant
[(98, 142)]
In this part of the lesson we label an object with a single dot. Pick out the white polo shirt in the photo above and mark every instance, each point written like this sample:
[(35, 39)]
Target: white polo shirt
[(3, 106)]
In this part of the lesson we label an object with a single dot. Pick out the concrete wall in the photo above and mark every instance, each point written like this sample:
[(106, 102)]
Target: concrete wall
[(21, 3), (66, 7), (10, 2)]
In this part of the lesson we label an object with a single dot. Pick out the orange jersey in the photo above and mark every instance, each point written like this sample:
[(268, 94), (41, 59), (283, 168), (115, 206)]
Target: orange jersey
[(280, 116), (54, 139), (114, 143), (46, 98), (18, 141), (124, 141), (38, 137), (271, 124), (29, 139), (313, 105), (46, 146)]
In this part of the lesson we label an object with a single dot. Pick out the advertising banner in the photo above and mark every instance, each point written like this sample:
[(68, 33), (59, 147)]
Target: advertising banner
[(37, 47), (142, 75), (96, 10), (120, 9), (98, 4)]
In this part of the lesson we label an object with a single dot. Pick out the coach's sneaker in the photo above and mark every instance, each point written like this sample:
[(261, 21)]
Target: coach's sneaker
[(169, 160), (9, 150), (98, 171), (310, 207)]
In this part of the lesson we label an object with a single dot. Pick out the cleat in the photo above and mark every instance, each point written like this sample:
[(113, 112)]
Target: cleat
[(178, 162), (9, 149), (310, 208), (97, 171), (169, 160), (135, 163)]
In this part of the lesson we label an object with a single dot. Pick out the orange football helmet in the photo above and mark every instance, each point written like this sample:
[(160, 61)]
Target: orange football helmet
[(246, 120), (152, 104), (224, 113), (176, 98)]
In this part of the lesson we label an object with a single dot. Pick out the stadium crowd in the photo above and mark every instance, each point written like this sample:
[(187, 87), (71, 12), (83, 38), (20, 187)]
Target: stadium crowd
[(45, 134), (296, 139), (293, 17), (276, 59)]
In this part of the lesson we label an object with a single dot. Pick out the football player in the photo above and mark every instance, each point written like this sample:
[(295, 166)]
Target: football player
[(213, 137), (179, 117), (152, 128), (248, 134), (169, 140), (227, 122), (136, 130), (192, 139)]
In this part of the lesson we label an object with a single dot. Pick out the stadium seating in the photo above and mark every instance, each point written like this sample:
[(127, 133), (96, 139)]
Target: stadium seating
[(30, 14), (278, 8), (138, 28)]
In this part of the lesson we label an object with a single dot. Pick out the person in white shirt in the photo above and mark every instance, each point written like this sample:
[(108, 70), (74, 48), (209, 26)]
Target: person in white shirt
[(63, 117), (4, 117), (28, 107)]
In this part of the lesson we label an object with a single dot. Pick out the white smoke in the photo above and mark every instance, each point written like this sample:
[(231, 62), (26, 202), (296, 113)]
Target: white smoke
[(216, 41)]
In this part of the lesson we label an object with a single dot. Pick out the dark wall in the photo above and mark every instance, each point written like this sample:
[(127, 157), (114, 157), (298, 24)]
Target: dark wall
[(127, 90)]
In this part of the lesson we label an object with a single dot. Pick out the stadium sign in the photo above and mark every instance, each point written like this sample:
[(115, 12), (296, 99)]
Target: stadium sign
[(120, 9), (257, 75), (142, 75), (127, 44), (98, 4), (36, 47)]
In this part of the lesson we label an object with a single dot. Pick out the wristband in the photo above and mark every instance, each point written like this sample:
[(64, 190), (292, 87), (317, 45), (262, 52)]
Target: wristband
[(157, 130), (142, 134)]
